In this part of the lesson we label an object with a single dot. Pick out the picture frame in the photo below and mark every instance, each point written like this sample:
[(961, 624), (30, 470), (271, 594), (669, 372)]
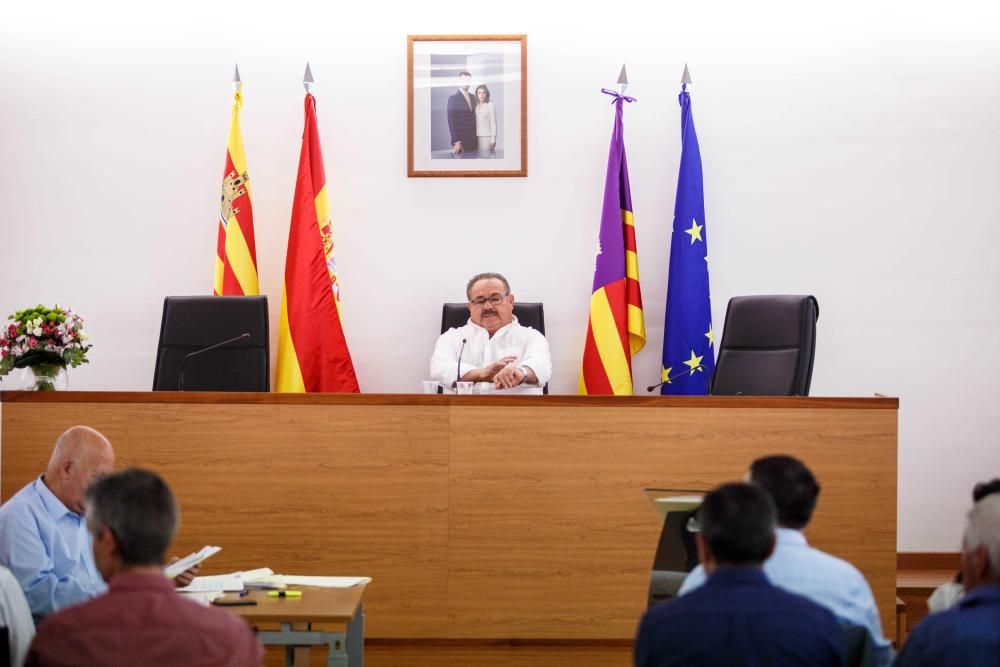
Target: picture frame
[(467, 105)]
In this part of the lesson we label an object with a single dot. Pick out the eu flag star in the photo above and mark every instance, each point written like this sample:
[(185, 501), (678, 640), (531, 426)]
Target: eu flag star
[(665, 375), (710, 336), (694, 362), (695, 231)]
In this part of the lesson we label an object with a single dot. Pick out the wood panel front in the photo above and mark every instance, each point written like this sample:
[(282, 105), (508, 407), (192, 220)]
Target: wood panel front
[(347, 490), (550, 535), (481, 519)]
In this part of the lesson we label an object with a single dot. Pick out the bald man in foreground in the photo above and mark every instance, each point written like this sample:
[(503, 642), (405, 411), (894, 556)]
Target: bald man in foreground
[(43, 537)]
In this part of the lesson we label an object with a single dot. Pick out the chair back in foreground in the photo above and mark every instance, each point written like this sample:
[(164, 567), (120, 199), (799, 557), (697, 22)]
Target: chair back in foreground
[(192, 323), (768, 345)]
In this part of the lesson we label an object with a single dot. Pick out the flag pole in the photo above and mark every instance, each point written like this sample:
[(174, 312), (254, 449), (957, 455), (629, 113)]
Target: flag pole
[(622, 80)]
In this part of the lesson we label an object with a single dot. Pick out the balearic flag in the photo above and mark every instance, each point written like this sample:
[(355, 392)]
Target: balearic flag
[(312, 349), (688, 339), (616, 330), (236, 254)]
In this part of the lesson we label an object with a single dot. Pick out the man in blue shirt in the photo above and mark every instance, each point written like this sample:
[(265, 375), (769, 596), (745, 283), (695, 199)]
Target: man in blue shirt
[(968, 634), (738, 617), (797, 567), (44, 540)]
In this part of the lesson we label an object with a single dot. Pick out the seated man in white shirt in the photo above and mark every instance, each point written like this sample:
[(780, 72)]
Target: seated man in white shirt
[(799, 568), (493, 346)]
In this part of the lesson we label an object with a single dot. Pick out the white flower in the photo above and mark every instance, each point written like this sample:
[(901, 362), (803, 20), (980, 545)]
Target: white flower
[(37, 331), (84, 335)]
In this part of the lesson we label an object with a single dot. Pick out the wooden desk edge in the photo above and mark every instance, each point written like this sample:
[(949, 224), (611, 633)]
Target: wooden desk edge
[(446, 400)]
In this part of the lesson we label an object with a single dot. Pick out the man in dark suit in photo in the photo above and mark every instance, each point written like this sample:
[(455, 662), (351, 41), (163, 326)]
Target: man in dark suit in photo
[(462, 118)]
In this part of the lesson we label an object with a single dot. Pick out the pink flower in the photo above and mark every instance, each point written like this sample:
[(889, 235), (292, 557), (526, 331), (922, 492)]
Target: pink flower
[(32, 343)]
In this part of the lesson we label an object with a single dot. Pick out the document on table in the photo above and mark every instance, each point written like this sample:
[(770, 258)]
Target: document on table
[(218, 582), (324, 582), (190, 561), (203, 598)]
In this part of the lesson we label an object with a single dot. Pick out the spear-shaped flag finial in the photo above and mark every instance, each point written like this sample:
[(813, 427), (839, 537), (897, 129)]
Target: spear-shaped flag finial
[(686, 77), (307, 78), (623, 79), (237, 81)]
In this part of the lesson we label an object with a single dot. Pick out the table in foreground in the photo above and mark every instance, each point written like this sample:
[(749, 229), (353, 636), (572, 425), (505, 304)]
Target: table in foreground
[(497, 529), (299, 620)]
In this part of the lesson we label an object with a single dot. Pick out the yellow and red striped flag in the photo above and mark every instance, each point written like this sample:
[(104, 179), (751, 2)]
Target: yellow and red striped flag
[(616, 330), (312, 348), (236, 254)]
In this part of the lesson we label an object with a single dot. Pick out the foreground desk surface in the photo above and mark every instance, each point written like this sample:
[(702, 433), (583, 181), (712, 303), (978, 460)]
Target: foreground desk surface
[(488, 523), (300, 620)]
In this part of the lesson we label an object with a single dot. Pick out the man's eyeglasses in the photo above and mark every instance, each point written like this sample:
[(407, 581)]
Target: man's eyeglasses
[(495, 299)]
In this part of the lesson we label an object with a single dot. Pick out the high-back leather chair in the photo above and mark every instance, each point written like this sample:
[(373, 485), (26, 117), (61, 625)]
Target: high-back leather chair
[(193, 323), (768, 345), (528, 314)]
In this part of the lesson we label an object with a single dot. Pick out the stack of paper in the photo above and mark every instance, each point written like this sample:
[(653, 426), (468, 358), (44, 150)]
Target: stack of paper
[(218, 582), (325, 582)]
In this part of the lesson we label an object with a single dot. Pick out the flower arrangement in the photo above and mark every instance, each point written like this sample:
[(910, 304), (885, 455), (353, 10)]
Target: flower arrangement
[(45, 340)]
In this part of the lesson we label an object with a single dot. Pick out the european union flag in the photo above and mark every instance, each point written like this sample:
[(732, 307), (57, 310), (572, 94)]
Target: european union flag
[(688, 339)]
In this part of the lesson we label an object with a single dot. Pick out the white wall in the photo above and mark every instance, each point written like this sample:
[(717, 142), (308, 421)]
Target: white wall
[(852, 152)]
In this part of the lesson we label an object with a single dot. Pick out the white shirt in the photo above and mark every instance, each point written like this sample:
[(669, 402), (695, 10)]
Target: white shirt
[(15, 616), (527, 345), (826, 580)]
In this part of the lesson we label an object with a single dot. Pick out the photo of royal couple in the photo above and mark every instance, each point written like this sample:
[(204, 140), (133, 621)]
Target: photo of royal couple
[(466, 110)]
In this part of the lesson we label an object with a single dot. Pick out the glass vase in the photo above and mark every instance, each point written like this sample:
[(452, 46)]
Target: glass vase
[(44, 377)]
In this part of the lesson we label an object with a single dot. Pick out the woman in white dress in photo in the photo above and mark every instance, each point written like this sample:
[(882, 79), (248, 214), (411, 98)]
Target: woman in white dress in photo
[(486, 120)]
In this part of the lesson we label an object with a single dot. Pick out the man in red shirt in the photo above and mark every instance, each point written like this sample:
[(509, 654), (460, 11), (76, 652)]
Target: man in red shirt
[(141, 620)]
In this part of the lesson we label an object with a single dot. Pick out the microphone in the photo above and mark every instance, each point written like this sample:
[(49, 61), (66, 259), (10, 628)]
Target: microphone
[(676, 375), (180, 375), (458, 371)]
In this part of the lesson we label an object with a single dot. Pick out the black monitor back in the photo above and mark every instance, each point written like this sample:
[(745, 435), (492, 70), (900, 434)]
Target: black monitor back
[(192, 323)]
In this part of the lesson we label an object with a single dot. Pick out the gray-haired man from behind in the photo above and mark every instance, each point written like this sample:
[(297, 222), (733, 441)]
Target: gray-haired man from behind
[(141, 620)]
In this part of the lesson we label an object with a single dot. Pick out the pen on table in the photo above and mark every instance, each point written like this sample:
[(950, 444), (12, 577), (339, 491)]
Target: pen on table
[(244, 593), (284, 594)]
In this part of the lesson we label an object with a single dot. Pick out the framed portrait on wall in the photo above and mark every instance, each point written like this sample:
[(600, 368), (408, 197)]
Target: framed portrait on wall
[(467, 105)]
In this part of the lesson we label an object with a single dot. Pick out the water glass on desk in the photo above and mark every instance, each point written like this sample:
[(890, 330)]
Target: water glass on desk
[(430, 386), (465, 387)]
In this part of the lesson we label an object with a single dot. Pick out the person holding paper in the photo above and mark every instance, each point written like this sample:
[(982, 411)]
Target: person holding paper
[(43, 536), (493, 345), (132, 517)]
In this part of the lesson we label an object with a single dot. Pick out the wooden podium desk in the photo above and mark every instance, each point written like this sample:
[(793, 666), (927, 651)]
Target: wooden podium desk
[(497, 529)]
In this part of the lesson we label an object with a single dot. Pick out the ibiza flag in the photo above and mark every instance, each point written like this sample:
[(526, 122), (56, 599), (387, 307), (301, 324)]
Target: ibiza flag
[(236, 254), (688, 340), (312, 349), (616, 330)]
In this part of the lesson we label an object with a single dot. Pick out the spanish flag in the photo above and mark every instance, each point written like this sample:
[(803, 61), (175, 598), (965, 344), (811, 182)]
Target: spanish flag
[(312, 349), (616, 330), (236, 254)]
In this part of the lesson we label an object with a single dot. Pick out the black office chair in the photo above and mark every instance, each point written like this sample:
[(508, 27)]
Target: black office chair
[(193, 323), (528, 314), (859, 649), (768, 345)]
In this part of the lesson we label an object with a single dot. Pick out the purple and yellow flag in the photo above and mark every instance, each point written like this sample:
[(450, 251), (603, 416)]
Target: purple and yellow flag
[(616, 330)]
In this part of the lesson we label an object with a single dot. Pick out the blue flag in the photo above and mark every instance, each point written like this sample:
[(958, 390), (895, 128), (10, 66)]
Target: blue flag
[(688, 339)]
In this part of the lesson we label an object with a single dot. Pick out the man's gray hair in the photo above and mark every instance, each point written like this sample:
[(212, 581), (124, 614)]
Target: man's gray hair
[(139, 508), (984, 529), (485, 276)]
